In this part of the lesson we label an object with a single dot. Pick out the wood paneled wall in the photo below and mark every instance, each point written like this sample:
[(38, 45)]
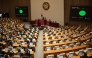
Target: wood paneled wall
[(8, 6), (68, 3)]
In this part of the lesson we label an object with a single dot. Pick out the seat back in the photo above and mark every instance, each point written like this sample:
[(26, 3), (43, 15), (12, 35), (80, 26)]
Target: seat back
[(62, 55), (50, 56), (80, 53), (16, 56), (71, 54), (25, 56)]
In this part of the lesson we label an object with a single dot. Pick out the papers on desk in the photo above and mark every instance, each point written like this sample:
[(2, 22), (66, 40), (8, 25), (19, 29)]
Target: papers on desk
[(66, 46), (59, 36), (67, 40), (30, 50), (50, 56), (75, 45), (56, 34), (60, 41), (30, 33), (23, 43), (7, 36), (3, 49), (54, 31), (54, 42), (81, 31), (31, 43), (48, 48), (72, 39), (33, 39), (47, 42), (22, 50), (35, 33), (22, 38), (51, 34), (64, 36), (53, 38), (46, 34), (61, 56), (13, 49), (46, 39), (19, 35), (57, 48), (27, 39), (29, 36), (16, 38)]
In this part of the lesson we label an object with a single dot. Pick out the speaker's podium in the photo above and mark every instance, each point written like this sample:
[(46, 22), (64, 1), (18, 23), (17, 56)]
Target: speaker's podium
[(42, 23)]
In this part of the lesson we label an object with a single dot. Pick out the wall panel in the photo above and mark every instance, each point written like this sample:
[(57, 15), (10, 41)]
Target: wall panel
[(1, 8), (55, 12), (8, 6)]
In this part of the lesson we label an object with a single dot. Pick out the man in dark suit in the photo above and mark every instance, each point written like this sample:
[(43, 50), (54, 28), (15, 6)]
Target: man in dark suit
[(1, 52), (27, 53), (9, 53)]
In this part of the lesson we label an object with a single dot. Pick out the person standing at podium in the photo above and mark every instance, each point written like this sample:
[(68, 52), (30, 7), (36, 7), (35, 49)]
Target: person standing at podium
[(42, 17)]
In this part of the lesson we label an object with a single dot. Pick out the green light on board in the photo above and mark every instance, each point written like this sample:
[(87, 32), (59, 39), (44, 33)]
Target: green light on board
[(20, 11), (82, 13)]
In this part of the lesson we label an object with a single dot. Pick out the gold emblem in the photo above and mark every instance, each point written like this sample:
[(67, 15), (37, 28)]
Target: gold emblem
[(45, 5)]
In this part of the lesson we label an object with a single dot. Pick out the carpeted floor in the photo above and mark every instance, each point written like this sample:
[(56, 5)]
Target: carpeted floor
[(39, 48)]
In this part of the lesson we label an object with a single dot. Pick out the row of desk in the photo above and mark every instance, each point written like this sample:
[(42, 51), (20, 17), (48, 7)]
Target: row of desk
[(44, 23), (65, 43)]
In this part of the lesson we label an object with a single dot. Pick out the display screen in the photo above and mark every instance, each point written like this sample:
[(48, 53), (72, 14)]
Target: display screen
[(21, 11), (81, 13), (0, 15), (4, 15)]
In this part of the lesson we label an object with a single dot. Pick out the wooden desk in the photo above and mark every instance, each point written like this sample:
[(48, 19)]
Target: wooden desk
[(15, 45), (76, 57), (20, 40), (32, 52), (32, 45), (3, 43), (83, 39), (54, 39), (25, 45), (65, 50), (63, 43), (90, 54), (34, 41), (80, 34)]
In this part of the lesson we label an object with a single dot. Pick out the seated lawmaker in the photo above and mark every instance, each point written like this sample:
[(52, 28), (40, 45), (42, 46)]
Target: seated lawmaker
[(1, 52), (9, 53), (26, 53)]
